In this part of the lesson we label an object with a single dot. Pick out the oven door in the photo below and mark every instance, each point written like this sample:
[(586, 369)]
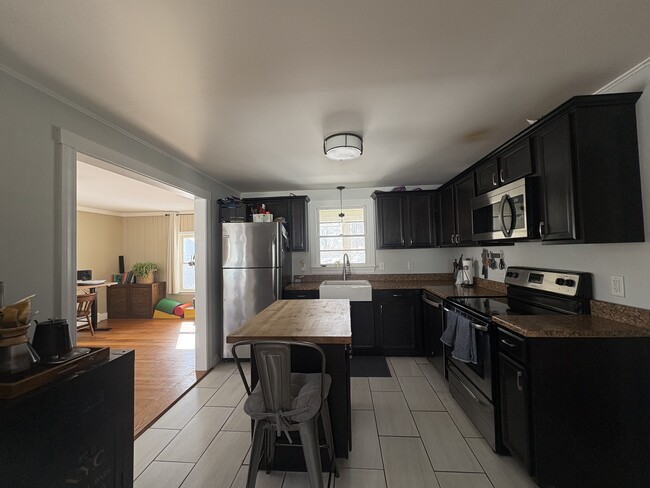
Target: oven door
[(501, 213), (480, 374)]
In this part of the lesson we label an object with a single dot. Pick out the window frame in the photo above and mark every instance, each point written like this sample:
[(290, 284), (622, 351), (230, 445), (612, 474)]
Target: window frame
[(179, 260), (314, 235)]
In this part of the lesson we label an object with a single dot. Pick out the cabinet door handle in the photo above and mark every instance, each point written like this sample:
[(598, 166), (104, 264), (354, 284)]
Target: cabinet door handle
[(457, 238), (541, 226), (494, 179), (519, 385), (509, 344), (452, 239), (502, 175)]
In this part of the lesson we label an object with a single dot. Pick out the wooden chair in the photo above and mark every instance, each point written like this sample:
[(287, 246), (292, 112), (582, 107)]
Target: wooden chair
[(84, 306)]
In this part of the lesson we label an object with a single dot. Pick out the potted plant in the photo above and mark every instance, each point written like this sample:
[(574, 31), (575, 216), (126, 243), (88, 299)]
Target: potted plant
[(144, 272)]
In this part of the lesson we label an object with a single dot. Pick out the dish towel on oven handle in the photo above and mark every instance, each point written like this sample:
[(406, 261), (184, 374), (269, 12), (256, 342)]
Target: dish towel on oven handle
[(460, 336)]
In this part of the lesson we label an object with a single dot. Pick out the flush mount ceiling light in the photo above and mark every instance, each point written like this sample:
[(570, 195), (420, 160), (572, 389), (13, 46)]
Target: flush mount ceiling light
[(343, 146)]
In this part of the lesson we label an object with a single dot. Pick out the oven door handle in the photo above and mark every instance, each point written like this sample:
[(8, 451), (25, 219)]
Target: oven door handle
[(474, 397), (482, 328), (429, 302)]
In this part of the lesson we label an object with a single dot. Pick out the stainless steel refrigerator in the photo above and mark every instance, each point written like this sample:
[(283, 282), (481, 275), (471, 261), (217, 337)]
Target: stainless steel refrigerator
[(254, 271)]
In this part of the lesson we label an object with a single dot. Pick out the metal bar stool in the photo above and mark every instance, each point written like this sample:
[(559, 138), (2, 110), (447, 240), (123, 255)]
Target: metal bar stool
[(283, 402)]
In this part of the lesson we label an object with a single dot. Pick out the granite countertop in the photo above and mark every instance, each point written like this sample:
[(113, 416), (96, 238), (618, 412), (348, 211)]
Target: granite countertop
[(442, 289), (567, 326), (317, 321)]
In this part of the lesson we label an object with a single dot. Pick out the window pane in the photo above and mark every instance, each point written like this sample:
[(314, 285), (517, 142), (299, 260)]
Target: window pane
[(188, 249), (330, 229), (188, 277), (355, 228), (357, 257), (331, 257), (331, 243), (356, 242)]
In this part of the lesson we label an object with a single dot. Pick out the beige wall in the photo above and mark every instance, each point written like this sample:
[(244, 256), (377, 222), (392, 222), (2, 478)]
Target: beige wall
[(102, 238), (99, 243)]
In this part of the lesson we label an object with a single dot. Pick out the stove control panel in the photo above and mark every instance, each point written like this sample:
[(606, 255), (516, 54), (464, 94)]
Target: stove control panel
[(562, 282)]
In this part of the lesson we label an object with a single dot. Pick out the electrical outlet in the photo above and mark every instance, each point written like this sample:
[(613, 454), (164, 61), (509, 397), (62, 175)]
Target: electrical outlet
[(410, 266), (618, 286), (381, 266)]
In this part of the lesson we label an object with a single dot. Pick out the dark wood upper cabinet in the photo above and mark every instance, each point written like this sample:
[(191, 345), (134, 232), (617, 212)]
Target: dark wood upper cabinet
[(513, 162), (456, 212), (391, 219), (447, 216), (405, 219), (487, 176), (555, 169), (589, 177), (464, 195), (295, 211)]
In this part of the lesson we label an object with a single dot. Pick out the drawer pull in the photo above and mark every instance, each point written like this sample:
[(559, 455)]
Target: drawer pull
[(474, 397), (509, 344)]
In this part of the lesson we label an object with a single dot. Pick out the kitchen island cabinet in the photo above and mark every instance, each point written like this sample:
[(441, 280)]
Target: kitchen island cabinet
[(323, 322)]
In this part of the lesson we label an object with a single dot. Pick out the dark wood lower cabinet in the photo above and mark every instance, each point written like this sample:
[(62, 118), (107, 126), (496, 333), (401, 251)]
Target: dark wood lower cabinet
[(575, 410), (398, 316), (514, 409)]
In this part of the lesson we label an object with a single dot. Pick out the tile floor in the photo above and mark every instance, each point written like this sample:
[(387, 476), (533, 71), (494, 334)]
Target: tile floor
[(409, 431)]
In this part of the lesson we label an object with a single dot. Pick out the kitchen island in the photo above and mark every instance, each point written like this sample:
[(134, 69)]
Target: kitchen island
[(323, 322)]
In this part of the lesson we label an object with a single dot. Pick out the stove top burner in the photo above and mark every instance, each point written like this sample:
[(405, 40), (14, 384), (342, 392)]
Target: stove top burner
[(487, 307)]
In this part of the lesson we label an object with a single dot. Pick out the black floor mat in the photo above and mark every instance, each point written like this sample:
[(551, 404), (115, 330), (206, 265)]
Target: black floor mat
[(369, 366)]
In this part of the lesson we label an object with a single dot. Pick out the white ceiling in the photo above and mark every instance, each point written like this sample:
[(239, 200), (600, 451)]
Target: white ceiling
[(246, 90), (105, 190)]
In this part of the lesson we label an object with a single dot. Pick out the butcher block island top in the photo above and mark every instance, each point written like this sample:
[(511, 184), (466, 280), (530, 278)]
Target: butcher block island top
[(318, 321)]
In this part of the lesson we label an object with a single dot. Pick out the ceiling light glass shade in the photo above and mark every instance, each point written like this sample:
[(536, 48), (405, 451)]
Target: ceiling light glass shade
[(342, 147)]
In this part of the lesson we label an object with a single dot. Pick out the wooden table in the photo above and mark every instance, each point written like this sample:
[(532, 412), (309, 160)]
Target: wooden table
[(323, 322), (93, 289)]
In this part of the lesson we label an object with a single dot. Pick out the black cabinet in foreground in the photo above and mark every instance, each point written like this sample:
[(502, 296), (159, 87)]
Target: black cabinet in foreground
[(73, 432)]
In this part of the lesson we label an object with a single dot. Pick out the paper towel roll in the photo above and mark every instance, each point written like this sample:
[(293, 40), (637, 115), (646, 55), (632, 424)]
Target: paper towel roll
[(468, 272)]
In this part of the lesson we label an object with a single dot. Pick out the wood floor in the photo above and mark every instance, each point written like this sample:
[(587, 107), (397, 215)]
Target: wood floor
[(164, 361)]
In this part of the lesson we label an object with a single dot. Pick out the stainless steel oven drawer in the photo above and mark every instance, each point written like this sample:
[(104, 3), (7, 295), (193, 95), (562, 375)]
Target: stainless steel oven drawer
[(475, 405)]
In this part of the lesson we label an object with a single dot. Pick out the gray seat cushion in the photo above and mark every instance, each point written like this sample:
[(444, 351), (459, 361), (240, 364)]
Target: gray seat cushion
[(305, 398)]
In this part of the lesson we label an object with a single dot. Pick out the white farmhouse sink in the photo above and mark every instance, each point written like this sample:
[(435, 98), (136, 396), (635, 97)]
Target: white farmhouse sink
[(354, 290)]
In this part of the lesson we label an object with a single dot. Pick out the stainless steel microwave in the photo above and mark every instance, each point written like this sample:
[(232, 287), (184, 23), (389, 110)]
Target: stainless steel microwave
[(503, 213)]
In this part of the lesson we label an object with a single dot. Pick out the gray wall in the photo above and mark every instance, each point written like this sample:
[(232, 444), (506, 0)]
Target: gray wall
[(28, 172)]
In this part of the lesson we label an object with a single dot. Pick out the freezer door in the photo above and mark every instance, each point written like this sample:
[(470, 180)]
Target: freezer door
[(252, 245), (246, 292)]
